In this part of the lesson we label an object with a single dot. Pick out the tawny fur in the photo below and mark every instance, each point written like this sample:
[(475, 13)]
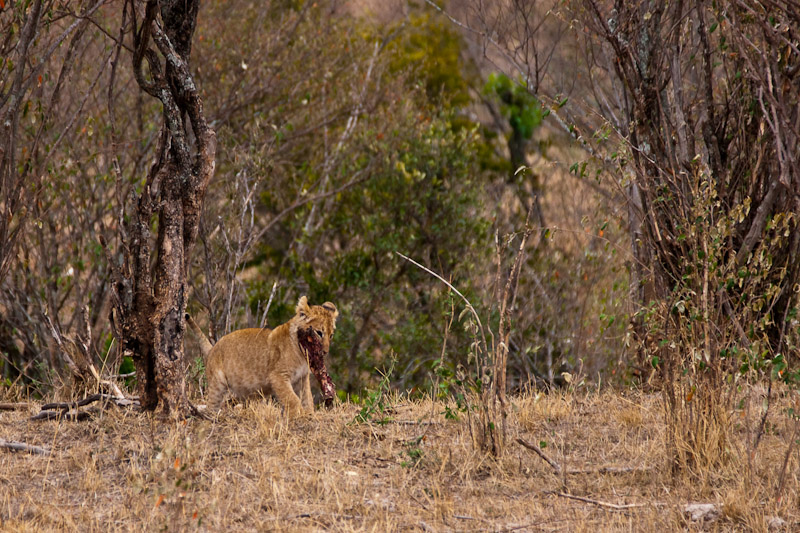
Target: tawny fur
[(254, 361)]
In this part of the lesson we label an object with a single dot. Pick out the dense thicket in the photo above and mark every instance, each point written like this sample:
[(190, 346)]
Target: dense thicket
[(692, 109), (709, 115), (340, 141)]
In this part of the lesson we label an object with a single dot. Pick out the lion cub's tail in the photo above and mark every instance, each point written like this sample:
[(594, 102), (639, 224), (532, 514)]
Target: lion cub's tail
[(205, 344)]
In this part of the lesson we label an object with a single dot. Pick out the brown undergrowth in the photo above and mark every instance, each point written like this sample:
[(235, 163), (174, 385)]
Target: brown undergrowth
[(252, 470)]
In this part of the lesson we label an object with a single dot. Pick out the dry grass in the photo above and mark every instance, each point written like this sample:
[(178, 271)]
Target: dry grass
[(254, 470)]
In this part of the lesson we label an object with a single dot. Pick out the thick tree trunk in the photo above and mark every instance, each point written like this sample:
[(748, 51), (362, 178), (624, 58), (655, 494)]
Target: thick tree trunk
[(151, 305), (170, 298)]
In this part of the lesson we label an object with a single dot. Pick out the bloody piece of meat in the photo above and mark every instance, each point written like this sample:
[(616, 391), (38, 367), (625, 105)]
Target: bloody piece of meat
[(315, 353)]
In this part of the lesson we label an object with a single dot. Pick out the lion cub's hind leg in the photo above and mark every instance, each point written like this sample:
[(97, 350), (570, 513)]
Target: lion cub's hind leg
[(217, 390)]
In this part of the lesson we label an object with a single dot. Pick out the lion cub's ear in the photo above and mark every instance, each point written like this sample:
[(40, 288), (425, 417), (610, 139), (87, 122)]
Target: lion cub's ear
[(332, 308), (302, 307)]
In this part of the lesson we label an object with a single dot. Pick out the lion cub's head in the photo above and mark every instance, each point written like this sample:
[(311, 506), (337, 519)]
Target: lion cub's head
[(315, 325)]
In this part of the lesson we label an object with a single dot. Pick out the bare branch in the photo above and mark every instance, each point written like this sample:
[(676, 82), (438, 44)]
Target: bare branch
[(538, 451)]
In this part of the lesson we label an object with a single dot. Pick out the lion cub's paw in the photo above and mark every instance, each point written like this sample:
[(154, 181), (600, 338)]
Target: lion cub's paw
[(296, 412)]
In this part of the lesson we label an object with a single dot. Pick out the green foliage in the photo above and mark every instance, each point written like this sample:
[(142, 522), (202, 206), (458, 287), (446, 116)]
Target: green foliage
[(708, 273), (376, 403), (422, 199), (523, 111), (412, 452), (715, 328), (449, 385), (127, 367), (431, 49)]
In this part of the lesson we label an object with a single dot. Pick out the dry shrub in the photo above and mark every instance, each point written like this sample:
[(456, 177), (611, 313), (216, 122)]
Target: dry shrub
[(699, 435), (483, 382)]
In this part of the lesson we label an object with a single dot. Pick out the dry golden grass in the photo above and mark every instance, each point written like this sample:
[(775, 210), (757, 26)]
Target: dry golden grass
[(252, 470)]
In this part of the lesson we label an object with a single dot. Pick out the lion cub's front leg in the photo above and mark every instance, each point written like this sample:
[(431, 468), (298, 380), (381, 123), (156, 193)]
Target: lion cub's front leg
[(306, 398), (282, 387), (302, 387)]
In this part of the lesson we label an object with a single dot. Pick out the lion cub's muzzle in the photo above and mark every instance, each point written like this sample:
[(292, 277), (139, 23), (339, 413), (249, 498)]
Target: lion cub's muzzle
[(312, 347)]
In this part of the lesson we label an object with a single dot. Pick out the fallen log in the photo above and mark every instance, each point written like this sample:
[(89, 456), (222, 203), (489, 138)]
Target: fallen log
[(22, 447), (14, 406), (70, 410), (62, 415)]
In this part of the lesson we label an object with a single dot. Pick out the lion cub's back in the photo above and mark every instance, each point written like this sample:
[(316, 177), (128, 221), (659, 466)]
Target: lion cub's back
[(239, 360)]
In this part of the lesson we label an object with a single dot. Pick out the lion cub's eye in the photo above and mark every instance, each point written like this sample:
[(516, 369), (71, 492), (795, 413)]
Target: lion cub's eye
[(318, 332)]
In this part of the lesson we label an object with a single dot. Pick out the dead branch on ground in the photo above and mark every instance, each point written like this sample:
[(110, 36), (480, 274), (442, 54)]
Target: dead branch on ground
[(607, 505), (69, 410), (122, 402), (22, 447), (14, 406), (75, 416), (608, 470), (534, 448), (598, 470)]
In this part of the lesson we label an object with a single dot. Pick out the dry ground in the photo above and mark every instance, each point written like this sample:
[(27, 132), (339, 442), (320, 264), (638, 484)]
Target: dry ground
[(252, 470)]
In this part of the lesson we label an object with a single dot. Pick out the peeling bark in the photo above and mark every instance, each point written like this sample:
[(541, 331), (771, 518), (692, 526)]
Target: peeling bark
[(150, 305)]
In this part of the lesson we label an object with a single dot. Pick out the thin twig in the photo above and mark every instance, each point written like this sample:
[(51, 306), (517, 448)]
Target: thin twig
[(414, 422), (421, 504), (762, 425), (533, 525), (440, 278), (615, 506), (316, 514), (608, 470), (540, 453), (263, 322)]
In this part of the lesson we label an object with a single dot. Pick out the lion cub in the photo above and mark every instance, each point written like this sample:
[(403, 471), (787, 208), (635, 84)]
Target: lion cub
[(251, 361)]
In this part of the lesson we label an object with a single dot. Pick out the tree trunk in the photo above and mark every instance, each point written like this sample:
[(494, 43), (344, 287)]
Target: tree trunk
[(150, 305), (518, 154)]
